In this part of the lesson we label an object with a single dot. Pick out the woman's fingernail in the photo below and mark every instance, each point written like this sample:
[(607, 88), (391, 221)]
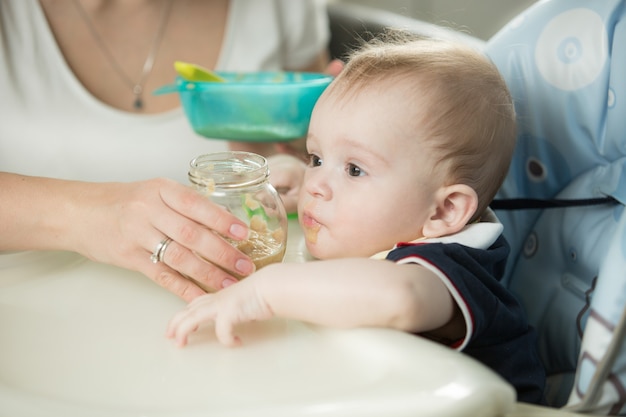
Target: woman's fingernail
[(244, 266), (228, 282), (239, 231)]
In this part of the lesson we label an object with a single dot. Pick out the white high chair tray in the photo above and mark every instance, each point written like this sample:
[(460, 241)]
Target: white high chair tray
[(85, 339)]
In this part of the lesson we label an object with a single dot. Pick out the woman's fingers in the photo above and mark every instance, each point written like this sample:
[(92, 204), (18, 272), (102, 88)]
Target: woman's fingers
[(290, 202), (287, 174), (334, 67), (191, 238), (197, 207), (206, 274), (174, 282), (196, 226), (179, 270)]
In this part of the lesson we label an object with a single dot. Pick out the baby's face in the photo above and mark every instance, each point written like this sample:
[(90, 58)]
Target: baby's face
[(369, 184)]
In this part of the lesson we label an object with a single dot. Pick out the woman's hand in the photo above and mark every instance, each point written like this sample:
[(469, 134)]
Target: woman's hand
[(334, 67), (125, 222), (286, 175), (122, 224)]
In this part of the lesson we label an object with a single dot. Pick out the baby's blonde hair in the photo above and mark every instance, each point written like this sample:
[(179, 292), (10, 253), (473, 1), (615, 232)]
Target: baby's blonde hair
[(470, 120)]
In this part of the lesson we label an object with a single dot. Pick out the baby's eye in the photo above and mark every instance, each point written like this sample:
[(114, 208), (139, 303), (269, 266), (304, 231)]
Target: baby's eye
[(355, 171), (314, 160)]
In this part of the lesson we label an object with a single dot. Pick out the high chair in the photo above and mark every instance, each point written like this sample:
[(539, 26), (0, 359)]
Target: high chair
[(80, 338), (562, 203)]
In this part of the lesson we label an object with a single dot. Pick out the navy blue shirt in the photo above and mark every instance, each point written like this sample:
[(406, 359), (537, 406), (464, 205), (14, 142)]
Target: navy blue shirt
[(497, 333)]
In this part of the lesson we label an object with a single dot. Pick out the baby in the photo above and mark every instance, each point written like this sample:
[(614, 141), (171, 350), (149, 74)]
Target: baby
[(407, 146)]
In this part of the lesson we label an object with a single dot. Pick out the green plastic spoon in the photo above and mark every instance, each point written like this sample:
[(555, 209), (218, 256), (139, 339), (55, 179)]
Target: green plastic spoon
[(194, 73)]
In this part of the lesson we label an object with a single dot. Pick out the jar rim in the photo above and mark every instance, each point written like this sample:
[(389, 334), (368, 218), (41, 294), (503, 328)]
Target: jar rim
[(229, 169)]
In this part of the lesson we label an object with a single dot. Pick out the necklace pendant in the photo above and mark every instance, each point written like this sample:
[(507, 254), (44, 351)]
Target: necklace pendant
[(137, 87), (138, 103)]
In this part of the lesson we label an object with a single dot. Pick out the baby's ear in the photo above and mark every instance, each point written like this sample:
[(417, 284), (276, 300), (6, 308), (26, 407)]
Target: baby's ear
[(456, 204)]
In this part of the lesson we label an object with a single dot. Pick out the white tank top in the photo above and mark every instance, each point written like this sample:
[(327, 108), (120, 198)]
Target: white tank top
[(50, 125)]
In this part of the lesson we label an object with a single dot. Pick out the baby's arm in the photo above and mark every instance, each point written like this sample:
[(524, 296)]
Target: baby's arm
[(338, 293)]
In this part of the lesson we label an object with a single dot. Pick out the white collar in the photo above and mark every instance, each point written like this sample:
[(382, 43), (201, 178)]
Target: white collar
[(479, 235)]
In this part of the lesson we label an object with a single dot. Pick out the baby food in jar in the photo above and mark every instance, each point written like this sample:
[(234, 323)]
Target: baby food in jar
[(239, 181)]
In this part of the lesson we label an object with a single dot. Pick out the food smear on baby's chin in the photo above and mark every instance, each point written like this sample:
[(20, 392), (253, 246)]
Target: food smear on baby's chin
[(310, 234)]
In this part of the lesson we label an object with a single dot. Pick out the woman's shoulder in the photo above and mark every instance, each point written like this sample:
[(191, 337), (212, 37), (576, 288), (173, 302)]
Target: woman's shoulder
[(19, 19)]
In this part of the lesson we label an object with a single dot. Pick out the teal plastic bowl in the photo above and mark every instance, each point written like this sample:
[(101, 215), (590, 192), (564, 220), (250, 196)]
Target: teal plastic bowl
[(260, 106)]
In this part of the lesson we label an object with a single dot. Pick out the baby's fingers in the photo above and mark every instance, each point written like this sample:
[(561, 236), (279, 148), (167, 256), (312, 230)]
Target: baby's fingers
[(180, 339), (180, 331), (188, 321), (225, 332), (175, 321)]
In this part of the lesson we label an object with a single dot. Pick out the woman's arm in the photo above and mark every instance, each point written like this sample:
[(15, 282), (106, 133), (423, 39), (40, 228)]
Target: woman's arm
[(340, 293)]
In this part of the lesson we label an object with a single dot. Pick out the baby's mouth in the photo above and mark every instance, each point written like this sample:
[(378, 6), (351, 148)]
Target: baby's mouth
[(311, 228)]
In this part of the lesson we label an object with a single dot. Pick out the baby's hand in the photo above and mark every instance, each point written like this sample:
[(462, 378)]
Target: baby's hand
[(238, 303)]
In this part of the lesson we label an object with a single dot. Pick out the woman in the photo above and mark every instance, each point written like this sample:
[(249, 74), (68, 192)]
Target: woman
[(85, 147)]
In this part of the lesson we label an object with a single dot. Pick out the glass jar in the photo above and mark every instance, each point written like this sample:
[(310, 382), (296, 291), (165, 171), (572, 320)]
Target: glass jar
[(239, 181)]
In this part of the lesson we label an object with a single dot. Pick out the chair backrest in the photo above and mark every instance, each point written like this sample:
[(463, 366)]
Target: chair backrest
[(351, 23), (565, 64)]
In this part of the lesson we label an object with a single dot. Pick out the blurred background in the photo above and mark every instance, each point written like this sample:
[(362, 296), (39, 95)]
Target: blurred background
[(480, 18)]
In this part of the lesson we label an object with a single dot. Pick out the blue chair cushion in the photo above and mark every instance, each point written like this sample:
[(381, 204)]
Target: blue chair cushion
[(565, 64)]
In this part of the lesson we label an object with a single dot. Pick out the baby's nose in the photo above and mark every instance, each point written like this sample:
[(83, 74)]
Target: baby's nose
[(317, 183)]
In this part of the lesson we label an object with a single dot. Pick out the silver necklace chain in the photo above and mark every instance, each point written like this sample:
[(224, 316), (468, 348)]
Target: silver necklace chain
[(136, 87)]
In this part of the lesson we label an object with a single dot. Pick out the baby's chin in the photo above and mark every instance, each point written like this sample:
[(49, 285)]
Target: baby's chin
[(316, 252), (325, 252), (321, 252)]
